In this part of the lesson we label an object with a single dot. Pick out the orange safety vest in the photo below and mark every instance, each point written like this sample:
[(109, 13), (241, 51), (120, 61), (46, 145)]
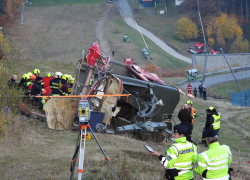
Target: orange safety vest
[(192, 113)]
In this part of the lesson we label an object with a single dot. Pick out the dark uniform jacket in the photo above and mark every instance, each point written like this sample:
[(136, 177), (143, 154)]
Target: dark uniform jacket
[(12, 83), (54, 86), (36, 88), (185, 116), (42, 83), (209, 121)]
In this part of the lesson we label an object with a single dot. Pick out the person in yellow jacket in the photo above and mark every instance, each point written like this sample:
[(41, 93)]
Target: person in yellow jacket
[(213, 163), (179, 157)]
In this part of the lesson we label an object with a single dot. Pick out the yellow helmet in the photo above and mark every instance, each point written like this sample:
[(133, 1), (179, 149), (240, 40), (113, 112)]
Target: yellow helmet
[(26, 76), (72, 80), (30, 73), (189, 102), (65, 77), (49, 75), (36, 71), (211, 108)]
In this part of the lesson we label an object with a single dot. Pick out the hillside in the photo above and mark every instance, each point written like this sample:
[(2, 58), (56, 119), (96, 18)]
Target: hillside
[(52, 39), (35, 152)]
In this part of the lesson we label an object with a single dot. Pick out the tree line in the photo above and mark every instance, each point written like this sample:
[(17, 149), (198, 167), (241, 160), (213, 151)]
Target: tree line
[(8, 8)]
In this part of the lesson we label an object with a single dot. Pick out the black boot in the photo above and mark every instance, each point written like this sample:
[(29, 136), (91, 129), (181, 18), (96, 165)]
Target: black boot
[(202, 142)]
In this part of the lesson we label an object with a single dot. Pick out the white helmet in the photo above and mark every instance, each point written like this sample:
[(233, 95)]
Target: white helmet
[(58, 75)]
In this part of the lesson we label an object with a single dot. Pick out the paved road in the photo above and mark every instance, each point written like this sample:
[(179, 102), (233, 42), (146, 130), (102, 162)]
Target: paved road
[(127, 15), (210, 81)]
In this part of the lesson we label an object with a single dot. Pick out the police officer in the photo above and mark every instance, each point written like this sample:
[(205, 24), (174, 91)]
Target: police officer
[(212, 122), (216, 121), (54, 85), (213, 163), (180, 156)]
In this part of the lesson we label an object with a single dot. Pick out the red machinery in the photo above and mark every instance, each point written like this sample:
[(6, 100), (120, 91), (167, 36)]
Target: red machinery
[(128, 61), (197, 48), (215, 52)]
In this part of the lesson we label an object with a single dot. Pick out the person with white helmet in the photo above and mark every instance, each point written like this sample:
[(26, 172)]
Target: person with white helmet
[(54, 84)]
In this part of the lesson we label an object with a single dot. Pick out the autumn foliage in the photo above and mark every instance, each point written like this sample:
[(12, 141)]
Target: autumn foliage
[(223, 31), (8, 8), (186, 29)]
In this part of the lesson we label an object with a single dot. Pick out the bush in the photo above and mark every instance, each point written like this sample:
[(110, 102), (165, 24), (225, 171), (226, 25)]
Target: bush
[(9, 98), (186, 29)]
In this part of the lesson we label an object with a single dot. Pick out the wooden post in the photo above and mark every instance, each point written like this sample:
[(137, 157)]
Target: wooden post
[(87, 82)]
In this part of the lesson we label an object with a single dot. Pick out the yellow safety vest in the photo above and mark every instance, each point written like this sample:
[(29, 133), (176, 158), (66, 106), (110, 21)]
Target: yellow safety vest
[(216, 123)]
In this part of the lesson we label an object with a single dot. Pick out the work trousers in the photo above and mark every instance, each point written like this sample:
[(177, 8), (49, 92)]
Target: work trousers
[(39, 103), (189, 91)]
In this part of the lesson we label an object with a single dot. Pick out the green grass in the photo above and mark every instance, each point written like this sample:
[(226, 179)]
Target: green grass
[(134, 48), (224, 90), (43, 3), (45, 67), (163, 26)]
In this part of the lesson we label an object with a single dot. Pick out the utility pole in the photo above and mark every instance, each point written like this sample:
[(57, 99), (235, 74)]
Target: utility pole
[(22, 14), (198, 3)]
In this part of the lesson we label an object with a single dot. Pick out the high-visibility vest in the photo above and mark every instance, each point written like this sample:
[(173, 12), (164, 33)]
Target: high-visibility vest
[(43, 101), (216, 123), (181, 155), (213, 163), (192, 114)]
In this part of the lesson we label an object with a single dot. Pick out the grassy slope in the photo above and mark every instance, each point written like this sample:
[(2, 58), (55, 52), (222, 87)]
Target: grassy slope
[(133, 49), (163, 26), (57, 31), (224, 90), (35, 152)]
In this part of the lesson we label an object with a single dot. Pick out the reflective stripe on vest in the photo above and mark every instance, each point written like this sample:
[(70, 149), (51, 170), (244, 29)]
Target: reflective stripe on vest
[(43, 101), (185, 152), (216, 123), (216, 163), (222, 178)]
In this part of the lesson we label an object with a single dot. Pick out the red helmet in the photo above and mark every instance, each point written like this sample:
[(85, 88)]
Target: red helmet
[(32, 77), (43, 91)]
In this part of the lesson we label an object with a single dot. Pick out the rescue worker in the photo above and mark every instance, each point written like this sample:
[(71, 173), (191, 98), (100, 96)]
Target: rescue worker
[(43, 99), (213, 163), (179, 157), (185, 117), (36, 72), (90, 82), (191, 110), (189, 88), (30, 73), (54, 85), (69, 89), (12, 82), (64, 85), (30, 84), (22, 83), (37, 90), (49, 75)]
